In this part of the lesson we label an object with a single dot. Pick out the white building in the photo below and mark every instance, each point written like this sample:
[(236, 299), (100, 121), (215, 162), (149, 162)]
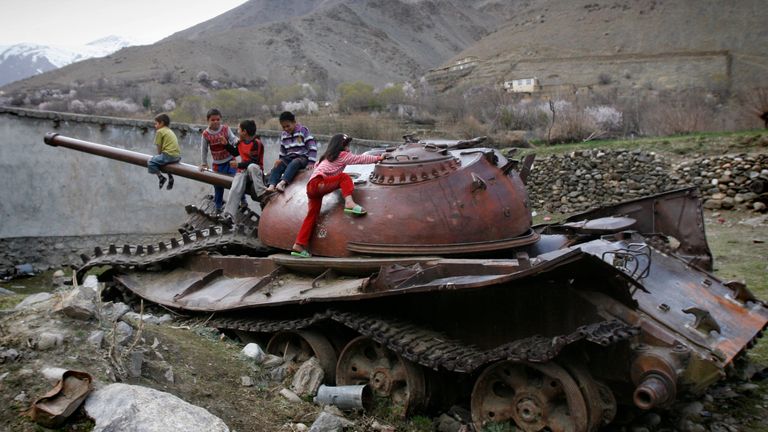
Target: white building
[(524, 85), (464, 63)]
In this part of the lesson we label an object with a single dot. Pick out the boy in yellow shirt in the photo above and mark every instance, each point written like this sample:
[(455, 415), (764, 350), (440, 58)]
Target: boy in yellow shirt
[(168, 150)]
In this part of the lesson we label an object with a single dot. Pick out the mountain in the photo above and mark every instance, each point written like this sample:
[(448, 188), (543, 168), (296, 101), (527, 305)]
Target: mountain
[(631, 45), (24, 60), (322, 42)]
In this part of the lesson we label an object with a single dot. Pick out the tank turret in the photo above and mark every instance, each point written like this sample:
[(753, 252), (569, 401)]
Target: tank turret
[(425, 198)]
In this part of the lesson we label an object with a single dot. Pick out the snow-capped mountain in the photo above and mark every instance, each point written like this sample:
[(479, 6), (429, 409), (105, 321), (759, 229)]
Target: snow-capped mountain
[(24, 60)]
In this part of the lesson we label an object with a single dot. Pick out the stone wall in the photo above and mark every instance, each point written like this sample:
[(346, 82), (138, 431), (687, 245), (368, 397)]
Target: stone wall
[(587, 179), (734, 181)]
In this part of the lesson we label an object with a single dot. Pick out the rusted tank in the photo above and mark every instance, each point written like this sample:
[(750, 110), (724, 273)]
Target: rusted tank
[(444, 293)]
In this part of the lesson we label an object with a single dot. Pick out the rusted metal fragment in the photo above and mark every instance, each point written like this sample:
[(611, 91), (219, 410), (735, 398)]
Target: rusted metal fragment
[(52, 409), (676, 214)]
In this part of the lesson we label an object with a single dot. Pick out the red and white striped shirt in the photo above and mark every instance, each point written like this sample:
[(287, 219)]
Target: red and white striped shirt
[(327, 168)]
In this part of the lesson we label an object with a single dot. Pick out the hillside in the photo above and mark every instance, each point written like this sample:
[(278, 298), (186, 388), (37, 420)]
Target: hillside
[(641, 45), (324, 42), (621, 51)]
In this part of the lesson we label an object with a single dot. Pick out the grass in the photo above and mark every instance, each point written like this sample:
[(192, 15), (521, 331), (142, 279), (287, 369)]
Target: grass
[(740, 252), (10, 301)]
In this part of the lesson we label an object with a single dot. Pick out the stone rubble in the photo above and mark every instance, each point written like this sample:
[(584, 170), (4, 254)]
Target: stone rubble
[(593, 178)]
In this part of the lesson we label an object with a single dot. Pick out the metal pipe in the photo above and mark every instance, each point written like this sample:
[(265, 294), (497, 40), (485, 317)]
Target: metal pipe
[(346, 397), (653, 391), (136, 158)]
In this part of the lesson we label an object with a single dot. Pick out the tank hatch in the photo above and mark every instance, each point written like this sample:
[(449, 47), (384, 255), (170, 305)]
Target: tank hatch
[(413, 163)]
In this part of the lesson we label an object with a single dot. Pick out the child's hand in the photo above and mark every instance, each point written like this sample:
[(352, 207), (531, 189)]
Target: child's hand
[(233, 163), (203, 167), (310, 166)]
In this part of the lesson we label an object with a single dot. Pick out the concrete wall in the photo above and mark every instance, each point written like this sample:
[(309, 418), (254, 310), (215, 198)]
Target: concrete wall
[(50, 191)]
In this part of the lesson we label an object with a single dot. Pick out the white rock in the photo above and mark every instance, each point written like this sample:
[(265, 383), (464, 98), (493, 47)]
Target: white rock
[(91, 282), (254, 351), (124, 332), (328, 422), (52, 374), (291, 396), (169, 375), (272, 361), (33, 300), (96, 338), (114, 311), (123, 407), (49, 340), (308, 378)]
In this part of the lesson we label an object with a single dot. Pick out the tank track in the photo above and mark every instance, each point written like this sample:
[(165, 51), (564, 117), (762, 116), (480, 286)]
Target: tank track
[(210, 239), (432, 349), (203, 215), (202, 231)]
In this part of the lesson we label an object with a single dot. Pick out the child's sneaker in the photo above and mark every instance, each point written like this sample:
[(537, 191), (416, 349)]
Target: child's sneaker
[(281, 186), (265, 198), (271, 188), (227, 220), (170, 182), (161, 181)]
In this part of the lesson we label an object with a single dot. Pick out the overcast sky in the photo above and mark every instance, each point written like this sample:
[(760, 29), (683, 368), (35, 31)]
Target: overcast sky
[(77, 22)]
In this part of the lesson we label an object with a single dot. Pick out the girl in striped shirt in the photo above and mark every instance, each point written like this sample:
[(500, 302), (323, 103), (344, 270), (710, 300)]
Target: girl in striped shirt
[(328, 176)]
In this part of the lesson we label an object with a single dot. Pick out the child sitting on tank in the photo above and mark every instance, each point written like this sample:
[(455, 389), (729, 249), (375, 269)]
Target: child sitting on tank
[(250, 169), (168, 150), (328, 176), (298, 150), (216, 138)]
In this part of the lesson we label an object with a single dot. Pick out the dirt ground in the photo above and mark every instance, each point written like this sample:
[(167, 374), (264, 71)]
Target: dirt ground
[(208, 369)]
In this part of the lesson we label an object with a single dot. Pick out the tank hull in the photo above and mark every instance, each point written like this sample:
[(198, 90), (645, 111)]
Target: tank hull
[(444, 293)]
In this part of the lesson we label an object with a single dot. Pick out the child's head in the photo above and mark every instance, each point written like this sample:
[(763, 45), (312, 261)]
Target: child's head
[(214, 118), (247, 129), (288, 121), (338, 143), (162, 120)]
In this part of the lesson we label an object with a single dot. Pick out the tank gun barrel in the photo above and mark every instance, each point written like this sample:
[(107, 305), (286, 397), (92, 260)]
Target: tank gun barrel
[(180, 169)]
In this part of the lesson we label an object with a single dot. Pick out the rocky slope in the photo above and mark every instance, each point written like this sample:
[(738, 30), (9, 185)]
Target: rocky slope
[(641, 45)]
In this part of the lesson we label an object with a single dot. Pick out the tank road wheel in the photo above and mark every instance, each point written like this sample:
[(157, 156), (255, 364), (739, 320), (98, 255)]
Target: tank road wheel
[(533, 396), (300, 345), (601, 403), (364, 361)]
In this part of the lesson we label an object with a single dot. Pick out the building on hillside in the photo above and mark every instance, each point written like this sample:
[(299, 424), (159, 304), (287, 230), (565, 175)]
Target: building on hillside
[(461, 64), (523, 85)]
